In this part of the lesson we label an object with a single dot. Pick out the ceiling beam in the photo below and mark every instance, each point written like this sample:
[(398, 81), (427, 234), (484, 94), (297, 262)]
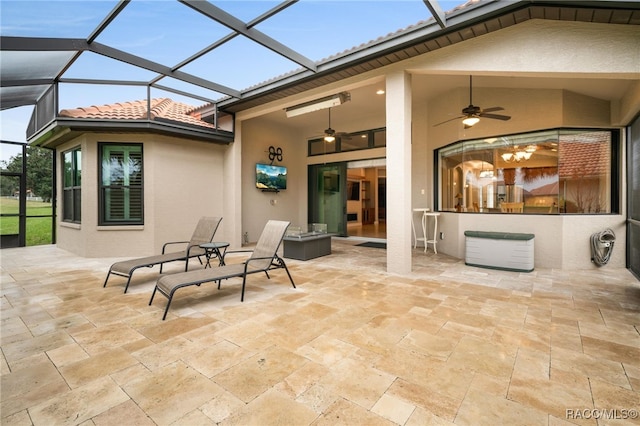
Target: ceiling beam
[(139, 62), (437, 12), (106, 21), (80, 45), (232, 35), (31, 82), (33, 44), (240, 27)]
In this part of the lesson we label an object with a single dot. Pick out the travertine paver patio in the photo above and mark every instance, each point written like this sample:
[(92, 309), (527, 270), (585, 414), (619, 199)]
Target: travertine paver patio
[(449, 344)]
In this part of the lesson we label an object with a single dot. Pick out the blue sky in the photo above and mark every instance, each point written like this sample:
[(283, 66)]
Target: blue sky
[(167, 32)]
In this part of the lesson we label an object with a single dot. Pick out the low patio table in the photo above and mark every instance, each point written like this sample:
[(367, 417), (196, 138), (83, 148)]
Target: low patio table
[(213, 250)]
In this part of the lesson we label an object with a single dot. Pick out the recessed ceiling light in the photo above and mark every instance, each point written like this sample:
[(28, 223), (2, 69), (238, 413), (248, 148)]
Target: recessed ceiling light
[(380, 92)]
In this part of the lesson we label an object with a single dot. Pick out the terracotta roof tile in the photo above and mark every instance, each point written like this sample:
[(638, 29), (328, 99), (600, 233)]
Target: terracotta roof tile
[(161, 108), (587, 156)]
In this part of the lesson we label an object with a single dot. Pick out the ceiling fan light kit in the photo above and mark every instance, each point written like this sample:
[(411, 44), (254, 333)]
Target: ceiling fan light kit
[(470, 121), (472, 114), (329, 133)]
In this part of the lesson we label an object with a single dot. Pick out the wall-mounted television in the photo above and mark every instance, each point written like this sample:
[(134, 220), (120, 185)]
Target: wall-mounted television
[(271, 178)]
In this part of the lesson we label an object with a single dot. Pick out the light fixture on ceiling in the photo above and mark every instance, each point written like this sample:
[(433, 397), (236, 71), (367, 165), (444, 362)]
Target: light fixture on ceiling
[(470, 120), (485, 173), (329, 133), (329, 136), (380, 92), (518, 155), (318, 104)]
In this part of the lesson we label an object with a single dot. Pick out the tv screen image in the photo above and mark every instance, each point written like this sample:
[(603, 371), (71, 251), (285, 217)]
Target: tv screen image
[(271, 177)]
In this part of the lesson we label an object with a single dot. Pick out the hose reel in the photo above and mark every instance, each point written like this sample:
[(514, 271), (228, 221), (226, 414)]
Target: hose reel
[(602, 246)]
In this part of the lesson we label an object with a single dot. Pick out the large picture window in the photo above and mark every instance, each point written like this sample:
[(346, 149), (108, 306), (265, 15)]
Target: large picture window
[(121, 184), (71, 180), (549, 172)]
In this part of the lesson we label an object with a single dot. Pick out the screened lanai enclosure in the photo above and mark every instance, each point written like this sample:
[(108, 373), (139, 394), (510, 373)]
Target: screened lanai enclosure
[(214, 75)]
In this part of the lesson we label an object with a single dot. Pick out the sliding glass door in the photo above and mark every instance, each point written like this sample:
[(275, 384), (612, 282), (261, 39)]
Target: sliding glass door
[(328, 197)]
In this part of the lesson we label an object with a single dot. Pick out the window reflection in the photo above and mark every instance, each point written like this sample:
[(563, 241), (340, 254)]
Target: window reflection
[(551, 172)]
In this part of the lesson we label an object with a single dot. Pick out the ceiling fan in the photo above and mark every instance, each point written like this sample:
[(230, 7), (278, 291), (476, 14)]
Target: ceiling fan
[(471, 115), (330, 135)]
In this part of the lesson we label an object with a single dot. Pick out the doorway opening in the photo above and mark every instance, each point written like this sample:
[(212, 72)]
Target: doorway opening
[(350, 198), (367, 199)]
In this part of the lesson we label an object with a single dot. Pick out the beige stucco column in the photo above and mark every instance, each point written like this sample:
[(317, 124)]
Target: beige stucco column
[(398, 111), (232, 191)]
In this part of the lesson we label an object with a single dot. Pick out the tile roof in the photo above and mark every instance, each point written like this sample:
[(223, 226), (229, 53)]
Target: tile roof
[(161, 108), (586, 156), (552, 188)]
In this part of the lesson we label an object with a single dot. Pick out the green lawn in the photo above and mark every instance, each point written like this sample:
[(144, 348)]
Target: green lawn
[(38, 228)]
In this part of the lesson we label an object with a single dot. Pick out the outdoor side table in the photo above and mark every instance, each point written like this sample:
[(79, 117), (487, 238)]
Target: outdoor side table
[(214, 250)]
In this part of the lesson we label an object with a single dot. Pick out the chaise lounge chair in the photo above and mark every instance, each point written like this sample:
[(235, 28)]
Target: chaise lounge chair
[(263, 258), (204, 232)]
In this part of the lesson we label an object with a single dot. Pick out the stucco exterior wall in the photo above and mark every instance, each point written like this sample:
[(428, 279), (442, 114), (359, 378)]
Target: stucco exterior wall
[(544, 109), (221, 180), (291, 204), (536, 48), (542, 48), (182, 182), (561, 242)]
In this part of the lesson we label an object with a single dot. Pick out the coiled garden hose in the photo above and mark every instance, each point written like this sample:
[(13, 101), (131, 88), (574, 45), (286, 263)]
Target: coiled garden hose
[(602, 246)]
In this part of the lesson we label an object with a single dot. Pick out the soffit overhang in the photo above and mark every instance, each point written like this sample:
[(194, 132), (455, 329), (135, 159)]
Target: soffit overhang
[(62, 130)]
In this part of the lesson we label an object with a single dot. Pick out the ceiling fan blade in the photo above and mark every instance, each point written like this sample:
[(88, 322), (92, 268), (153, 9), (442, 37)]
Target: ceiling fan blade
[(495, 116), (451, 119), (492, 109)]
